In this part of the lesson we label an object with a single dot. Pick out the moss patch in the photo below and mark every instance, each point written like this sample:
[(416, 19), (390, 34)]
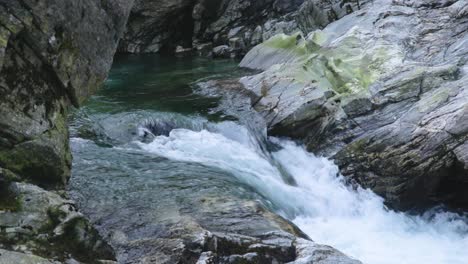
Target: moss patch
[(291, 43), (347, 65), (9, 201)]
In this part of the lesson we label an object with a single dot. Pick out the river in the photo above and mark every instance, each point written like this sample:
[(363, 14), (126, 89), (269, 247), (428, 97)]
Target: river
[(121, 169)]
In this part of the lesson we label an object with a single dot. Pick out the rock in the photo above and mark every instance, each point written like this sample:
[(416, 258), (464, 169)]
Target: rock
[(278, 49), (47, 63), (157, 127), (53, 55), (256, 37), (9, 257), (283, 25), (222, 51), (204, 49), (156, 25), (6, 177), (233, 33), (181, 50), (44, 222), (317, 14), (287, 6), (309, 252), (174, 219), (388, 105), (161, 26)]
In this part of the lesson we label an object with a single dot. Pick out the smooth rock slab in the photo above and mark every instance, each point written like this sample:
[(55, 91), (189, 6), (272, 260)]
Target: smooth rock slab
[(382, 91), (10, 257)]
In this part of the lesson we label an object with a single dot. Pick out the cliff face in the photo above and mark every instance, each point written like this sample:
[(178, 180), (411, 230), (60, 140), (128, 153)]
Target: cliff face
[(227, 28), (382, 91), (53, 54), (234, 26)]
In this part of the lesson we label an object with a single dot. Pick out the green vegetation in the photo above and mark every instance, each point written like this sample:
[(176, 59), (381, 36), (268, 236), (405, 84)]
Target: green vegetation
[(292, 43), (349, 65)]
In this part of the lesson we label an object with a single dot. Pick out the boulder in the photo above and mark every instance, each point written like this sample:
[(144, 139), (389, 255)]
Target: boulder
[(44, 222), (222, 51), (206, 221), (389, 105), (8, 257)]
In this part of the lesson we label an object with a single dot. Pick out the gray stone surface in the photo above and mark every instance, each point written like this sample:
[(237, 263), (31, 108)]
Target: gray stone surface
[(161, 26), (211, 220), (10, 257), (52, 54), (382, 91), (43, 222)]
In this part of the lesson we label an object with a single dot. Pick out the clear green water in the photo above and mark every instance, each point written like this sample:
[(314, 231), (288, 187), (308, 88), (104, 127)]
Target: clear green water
[(157, 83), (122, 188)]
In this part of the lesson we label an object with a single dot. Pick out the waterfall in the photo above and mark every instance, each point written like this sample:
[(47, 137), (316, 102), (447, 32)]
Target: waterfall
[(320, 202)]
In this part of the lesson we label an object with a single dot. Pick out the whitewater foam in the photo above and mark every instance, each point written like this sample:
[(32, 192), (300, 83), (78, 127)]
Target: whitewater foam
[(322, 205)]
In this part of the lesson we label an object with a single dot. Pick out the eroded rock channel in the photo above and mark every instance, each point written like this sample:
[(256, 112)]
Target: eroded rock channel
[(344, 140)]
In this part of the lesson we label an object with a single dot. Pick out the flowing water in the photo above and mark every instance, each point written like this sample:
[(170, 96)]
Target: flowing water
[(119, 164)]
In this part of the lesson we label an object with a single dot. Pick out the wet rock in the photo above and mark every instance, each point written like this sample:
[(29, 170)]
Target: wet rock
[(388, 105), (156, 127), (309, 252), (205, 49), (287, 6), (285, 25), (316, 14), (53, 55), (182, 50), (222, 51), (156, 25), (169, 215), (9, 257), (47, 63), (45, 223), (162, 26)]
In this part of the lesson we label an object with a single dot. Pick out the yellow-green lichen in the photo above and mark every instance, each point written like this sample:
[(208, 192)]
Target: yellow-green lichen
[(347, 66), (292, 43)]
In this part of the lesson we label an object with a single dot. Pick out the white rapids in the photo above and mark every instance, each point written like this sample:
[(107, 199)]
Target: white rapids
[(322, 205)]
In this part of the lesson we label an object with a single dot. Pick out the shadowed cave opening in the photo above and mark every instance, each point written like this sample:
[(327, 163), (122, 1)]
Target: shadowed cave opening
[(453, 185)]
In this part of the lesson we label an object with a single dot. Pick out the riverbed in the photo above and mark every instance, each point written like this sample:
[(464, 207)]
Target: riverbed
[(149, 144)]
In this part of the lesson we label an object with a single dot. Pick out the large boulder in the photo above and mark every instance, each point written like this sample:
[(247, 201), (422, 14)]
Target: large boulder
[(382, 91), (44, 222), (53, 54)]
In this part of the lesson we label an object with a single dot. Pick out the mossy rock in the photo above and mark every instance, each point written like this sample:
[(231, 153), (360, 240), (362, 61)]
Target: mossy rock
[(45, 160)]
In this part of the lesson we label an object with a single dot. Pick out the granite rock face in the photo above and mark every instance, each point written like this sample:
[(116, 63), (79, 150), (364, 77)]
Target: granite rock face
[(382, 91), (162, 26), (158, 25), (53, 55), (168, 26), (35, 220)]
